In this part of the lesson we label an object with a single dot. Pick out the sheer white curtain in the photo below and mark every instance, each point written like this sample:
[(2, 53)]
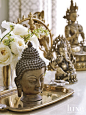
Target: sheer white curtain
[(18, 8), (54, 12)]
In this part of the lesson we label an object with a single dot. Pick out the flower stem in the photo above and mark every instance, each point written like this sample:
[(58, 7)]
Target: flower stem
[(5, 35)]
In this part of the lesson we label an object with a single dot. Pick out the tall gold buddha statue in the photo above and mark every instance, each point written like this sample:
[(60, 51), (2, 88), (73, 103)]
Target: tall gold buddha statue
[(73, 29), (30, 72)]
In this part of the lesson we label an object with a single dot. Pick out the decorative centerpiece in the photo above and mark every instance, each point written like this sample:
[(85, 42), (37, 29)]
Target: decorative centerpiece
[(14, 40), (72, 32), (30, 72), (11, 47)]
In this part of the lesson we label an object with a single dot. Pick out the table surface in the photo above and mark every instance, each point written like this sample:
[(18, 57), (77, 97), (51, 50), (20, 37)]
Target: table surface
[(73, 105)]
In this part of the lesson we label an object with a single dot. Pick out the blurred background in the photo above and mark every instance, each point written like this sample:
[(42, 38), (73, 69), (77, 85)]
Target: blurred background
[(54, 11)]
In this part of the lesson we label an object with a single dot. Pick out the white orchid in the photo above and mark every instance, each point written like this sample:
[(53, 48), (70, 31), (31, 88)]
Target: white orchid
[(20, 30), (7, 25), (5, 55)]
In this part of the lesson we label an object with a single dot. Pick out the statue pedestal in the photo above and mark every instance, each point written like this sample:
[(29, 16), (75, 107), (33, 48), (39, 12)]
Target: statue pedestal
[(80, 61), (76, 49), (80, 55)]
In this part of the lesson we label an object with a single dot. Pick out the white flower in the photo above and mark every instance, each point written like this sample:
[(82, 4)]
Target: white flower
[(20, 30), (7, 25), (5, 55), (18, 46), (34, 41)]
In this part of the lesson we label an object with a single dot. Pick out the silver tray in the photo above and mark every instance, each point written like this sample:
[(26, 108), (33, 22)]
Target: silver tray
[(51, 94)]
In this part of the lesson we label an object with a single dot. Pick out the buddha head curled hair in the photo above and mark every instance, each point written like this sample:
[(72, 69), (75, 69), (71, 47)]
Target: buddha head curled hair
[(29, 61)]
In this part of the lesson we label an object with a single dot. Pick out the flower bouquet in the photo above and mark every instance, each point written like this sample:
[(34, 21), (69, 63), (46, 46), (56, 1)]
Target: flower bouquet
[(14, 40)]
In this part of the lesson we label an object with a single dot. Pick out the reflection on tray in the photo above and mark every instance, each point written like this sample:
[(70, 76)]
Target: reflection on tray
[(50, 95), (15, 102)]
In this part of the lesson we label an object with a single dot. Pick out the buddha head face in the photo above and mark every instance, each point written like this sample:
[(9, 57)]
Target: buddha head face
[(32, 82)]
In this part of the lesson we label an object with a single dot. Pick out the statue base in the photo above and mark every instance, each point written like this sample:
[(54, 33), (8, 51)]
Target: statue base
[(80, 64), (80, 55), (75, 48), (31, 98)]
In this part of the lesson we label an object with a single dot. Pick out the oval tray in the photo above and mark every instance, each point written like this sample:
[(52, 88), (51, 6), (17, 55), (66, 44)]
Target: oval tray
[(51, 94)]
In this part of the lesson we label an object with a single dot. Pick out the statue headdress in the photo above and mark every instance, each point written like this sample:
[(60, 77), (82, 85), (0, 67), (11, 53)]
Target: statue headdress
[(30, 60), (73, 9), (59, 42)]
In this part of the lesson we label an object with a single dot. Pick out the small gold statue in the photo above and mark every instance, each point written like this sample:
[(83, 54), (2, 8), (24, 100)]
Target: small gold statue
[(30, 75), (73, 29), (63, 64)]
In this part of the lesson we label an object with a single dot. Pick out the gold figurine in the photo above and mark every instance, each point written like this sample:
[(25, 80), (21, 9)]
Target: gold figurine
[(72, 32), (30, 72), (73, 29), (63, 62)]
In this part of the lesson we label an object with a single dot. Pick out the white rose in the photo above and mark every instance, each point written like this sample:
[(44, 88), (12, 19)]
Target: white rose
[(5, 55), (20, 30), (18, 46)]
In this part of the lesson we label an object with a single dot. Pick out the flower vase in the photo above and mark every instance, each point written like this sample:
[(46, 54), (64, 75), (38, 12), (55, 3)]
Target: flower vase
[(7, 77)]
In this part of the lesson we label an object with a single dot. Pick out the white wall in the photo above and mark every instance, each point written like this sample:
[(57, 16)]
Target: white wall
[(4, 11), (3, 16), (62, 7)]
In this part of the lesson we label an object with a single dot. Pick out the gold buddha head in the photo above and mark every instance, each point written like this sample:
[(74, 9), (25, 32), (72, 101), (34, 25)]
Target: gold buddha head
[(30, 72)]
